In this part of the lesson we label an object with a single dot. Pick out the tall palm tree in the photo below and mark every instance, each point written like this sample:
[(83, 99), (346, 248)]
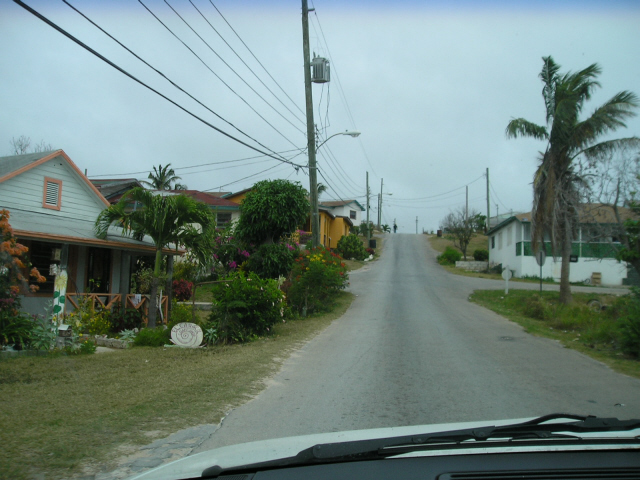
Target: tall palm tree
[(555, 182), (162, 177), (171, 219)]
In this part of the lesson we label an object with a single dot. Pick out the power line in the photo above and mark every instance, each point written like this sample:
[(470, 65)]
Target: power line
[(214, 73), (334, 70), (445, 193), (241, 179), (229, 66), (204, 164), (496, 195), (124, 72), (245, 64), (165, 77), (256, 58)]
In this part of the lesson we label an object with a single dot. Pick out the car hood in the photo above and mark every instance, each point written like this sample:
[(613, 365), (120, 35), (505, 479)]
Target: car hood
[(262, 451)]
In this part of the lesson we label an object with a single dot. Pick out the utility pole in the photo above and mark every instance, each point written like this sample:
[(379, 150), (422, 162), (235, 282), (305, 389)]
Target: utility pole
[(368, 229), (488, 226), (466, 207), (488, 201), (380, 204), (311, 137), (416, 225)]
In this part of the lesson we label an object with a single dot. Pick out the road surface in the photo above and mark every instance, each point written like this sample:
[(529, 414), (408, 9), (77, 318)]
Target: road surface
[(413, 350)]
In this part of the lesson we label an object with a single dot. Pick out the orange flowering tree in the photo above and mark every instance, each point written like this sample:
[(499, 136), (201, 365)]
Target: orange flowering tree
[(14, 279)]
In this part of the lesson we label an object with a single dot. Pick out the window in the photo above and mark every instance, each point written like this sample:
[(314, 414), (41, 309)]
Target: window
[(352, 214), (52, 194), (42, 255), (223, 219), (493, 242)]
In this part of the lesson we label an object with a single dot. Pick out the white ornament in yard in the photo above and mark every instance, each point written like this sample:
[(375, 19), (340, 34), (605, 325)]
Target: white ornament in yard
[(187, 335)]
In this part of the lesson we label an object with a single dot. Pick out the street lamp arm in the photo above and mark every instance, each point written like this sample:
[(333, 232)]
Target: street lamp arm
[(350, 133)]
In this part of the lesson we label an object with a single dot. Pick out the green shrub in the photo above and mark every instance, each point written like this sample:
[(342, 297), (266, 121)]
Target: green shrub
[(449, 257), (245, 307), (481, 255), (180, 313), (128, 319), (315, 277), (152, 337), (629, 325), (350, 246), (272, 260), (535, 307)]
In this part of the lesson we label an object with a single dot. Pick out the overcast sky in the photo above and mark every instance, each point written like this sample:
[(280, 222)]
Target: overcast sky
[(431, 86)]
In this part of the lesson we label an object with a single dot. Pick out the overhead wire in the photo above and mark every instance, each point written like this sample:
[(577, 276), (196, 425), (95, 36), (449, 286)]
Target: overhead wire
[(229, 66), (256, 58), (132, 77), (334, 72), (165, 77), (214, 73), (303, 121)]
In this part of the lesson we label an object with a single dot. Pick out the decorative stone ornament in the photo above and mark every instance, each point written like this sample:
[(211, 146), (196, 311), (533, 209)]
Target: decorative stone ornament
[(187, 335)]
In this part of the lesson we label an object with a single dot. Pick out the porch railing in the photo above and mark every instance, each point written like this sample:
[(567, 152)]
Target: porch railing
[(108, 301)]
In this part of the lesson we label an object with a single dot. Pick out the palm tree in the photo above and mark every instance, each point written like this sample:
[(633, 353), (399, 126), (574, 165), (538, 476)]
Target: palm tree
[(162, 177), (170, 219), (555, 182)]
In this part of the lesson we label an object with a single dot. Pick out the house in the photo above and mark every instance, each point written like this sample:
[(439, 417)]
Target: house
[(593, 251), (225, 211), (332, 227), (114, 189), (351, 209), (53, 208)]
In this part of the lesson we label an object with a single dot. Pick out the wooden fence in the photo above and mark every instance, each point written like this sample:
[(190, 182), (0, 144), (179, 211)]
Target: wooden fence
[(110, 300)]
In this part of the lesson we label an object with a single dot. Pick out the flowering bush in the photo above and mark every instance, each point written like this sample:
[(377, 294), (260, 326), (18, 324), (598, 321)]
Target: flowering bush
[(182, 290), (245, 307), (315, 277), (228, 252)]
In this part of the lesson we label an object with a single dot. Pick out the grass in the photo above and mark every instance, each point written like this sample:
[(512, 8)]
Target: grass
[(55, 412), (576, 326), (478, 242)]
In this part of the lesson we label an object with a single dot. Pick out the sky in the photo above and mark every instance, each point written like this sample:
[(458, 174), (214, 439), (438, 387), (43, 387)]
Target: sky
[(431, 86)]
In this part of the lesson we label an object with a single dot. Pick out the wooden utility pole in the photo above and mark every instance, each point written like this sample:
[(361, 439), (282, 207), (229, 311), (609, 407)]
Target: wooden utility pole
[(368, 224), (311, 137)]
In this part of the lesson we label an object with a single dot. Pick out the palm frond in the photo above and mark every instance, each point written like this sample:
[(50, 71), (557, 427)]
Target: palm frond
[(519, 127), (605, 149), (548, 75)]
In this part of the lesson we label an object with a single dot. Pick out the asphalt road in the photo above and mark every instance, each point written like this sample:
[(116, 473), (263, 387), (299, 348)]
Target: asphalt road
[(412, 350)]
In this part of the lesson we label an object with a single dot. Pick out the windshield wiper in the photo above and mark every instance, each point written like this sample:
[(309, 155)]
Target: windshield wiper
[(532, 432)]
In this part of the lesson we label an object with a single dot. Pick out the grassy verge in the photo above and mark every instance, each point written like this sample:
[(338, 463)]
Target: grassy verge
[(56, 412), (577, 326), (478, 242)]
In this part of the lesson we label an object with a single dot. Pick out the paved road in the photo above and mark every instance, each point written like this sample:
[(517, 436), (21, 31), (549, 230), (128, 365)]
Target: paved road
[(413, 350)]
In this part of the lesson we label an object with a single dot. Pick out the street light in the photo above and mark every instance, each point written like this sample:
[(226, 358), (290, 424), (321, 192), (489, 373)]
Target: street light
[(313, 187), (353, 133)]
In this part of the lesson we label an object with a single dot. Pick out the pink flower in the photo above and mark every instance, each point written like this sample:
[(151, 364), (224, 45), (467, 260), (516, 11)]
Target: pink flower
[(232, 264)]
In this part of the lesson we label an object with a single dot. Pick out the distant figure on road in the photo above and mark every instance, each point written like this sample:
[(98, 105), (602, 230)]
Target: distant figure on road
[(395, 228)]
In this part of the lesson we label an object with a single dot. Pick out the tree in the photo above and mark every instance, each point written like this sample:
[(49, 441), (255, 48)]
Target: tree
[(162, 177), (460, 226), (21, 145), (170, 219), (555, 184), (272, 209)]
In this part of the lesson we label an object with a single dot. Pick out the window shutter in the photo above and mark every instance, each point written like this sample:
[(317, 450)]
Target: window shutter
[(51, 195)]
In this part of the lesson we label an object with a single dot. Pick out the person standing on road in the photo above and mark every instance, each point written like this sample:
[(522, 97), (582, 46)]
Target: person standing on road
[(395, 228)]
